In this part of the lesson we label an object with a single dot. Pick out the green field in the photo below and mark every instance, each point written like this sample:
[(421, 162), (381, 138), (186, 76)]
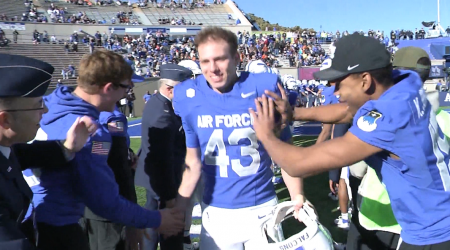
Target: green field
[(316, 190)]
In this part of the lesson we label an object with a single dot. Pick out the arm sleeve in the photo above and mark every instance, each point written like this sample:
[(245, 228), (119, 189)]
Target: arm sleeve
[(179, 109), (100, 192), (377, 123), (159, 162), (335, 174), (45, 154)]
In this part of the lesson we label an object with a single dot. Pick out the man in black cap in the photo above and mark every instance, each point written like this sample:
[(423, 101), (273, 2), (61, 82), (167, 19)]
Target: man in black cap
[(163, 144), (394, 130), (23, 82)]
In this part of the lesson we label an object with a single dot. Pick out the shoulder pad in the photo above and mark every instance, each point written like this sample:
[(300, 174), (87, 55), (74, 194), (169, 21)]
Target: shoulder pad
[(105, 117), (183, 91)]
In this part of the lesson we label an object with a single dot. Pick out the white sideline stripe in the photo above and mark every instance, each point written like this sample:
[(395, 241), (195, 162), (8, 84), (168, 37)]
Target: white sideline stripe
[(132, 125)]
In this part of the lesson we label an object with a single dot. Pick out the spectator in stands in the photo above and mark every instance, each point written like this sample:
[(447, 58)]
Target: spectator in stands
[(65, 73), (71, 70)]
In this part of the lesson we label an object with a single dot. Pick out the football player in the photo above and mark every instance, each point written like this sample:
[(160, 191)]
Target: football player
[(394, 130), (222, 145)]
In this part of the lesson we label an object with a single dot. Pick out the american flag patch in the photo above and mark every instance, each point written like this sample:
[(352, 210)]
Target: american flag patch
[(115, 127), (101, 148)]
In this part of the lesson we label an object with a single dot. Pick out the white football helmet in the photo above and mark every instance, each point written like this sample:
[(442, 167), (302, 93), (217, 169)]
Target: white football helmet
[(314, 236), (291, 83), (257, 66), (193, 66), (286, 78)]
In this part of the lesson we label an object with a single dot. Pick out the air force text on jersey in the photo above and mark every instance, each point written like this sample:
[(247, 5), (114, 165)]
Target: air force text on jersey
[(229, 121)]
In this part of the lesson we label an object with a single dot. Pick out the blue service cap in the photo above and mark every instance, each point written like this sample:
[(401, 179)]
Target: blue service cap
[(22, 76), (134, 77), (175, 72)]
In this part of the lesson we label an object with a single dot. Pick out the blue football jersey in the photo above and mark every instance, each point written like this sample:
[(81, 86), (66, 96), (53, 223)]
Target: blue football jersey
[(402, 122), (236, 167)]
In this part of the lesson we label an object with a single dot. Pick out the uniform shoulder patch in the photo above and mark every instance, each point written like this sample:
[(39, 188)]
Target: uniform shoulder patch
[(190, 92), (115, 126), (368, 122)]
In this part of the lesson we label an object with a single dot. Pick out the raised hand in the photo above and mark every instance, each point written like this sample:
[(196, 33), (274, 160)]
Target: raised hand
[(79, 132), (282, 105)]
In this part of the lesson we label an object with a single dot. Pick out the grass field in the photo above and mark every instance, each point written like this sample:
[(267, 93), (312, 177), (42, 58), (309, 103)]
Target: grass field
[(316, 190)]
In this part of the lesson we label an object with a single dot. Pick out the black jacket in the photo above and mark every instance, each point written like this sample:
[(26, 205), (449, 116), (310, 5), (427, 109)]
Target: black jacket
[(163, 136), (15, 194)]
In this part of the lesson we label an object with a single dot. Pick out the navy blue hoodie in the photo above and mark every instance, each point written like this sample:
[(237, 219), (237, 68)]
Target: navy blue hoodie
[(60, 195)]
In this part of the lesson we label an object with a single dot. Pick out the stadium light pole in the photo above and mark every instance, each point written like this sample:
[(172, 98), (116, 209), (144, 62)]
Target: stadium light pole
[(439, 16)]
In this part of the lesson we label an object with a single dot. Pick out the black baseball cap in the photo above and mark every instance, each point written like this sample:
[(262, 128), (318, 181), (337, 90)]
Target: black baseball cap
[(355, 54)]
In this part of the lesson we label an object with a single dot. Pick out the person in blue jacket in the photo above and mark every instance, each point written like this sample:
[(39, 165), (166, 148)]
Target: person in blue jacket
[(102, 233), (60, 196), (394, 130)]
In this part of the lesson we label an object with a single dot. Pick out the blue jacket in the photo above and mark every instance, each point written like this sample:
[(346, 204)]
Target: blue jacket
[(61, 195)]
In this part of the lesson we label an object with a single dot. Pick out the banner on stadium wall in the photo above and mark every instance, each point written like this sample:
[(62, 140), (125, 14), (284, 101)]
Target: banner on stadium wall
[(154, 30), (306, 73), (444, 99), (12, 26), (437, 71)]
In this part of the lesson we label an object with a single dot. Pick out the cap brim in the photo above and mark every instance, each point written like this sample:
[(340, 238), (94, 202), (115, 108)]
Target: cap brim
[(329, 74), (136, 78), (197, 72)]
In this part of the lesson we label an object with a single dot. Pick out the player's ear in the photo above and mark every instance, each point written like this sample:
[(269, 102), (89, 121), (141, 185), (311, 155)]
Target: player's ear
[(366, 82)]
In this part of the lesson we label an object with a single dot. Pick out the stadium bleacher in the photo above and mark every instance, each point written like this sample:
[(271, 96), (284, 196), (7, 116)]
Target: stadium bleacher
[(208, 15), (51, 53), (12, 8)]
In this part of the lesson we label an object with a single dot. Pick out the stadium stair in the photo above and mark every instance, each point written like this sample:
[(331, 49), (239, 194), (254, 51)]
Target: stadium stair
[(51, 53)]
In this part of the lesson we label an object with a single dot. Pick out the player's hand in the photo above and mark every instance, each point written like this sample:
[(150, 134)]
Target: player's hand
[(264, 117), (333, 186), (282, 105), (78, 134), (171, 203), (134, 238), (172, 221), (298, 200)]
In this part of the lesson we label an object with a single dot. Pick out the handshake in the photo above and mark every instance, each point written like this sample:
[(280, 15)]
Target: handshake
[(172, 219)]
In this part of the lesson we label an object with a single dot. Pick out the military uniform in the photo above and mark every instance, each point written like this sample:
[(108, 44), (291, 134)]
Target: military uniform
[(163, 146), (22, 77)]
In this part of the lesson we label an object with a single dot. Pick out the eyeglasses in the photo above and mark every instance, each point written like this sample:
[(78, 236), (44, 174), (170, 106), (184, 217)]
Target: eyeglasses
[(170, 86), (124, 86), (30, 109)]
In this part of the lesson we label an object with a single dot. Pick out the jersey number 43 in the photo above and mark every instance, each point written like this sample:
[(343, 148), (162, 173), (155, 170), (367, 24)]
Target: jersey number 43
[(222, 159)]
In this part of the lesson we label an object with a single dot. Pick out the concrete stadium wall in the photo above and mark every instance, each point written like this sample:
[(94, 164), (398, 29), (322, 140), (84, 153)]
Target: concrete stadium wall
[(139, 92), (65, 30), (289, 71)]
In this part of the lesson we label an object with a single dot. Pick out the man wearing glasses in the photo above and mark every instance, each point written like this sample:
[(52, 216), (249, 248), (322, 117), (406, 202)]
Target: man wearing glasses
[(163, 149), (23, 82), (61, 196)]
